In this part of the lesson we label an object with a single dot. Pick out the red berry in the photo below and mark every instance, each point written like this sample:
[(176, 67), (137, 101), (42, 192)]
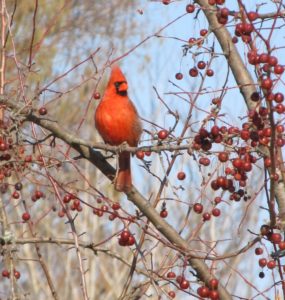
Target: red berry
[(213, 283), (140, 154), (201, 65), (275, 238), (224, 12), (162, 134), (165, 2), (229, 171), (279, 108), (124, 236), (123, 243), (266, 68), (248, 28), (216, 101), (222, 181), (252, 16), (147, 153), (181, 175), (26, 216), (112, 217), (116, 206), (131, 241), (237, 163), (264, 140), (3, 146), (184, 284), (96, 95), (211, 2), (270, 96), (17, 274), (178, 76), (171, 275), (42, 111), (266, 83), (203, 291), (223, 156), (239, 30), (258, 251), (281, 245), (223, 20), (193, 72), (262, 262), (206, 216), (214, 185), (278, 97), (103, 207), (164, 213), (190, 8), (272, 60), (216, 212), (217, 200), (179, 279), (171, 294), (203, 32), (61, 213), (210, 72), (247, 166), (278, 69), (271, 264), (16, 195), (215, 130), (28, 158), (267, 132), (280, 142), (66, 198), (267, 162), (198, 208), (280, 128), (234, 39), (263, 111), (5, 273), (38, 194), (244, 134), (220, 2), (214, 295), (252, 57), (263, 58)]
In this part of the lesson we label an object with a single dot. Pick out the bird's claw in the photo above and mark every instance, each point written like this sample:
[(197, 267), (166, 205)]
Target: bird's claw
[(122, 147)]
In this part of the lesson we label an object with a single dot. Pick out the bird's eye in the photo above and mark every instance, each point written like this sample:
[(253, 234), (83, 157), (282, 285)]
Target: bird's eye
[(117, 84)]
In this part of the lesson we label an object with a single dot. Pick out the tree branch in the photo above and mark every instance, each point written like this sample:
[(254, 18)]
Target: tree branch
[(97, 159)]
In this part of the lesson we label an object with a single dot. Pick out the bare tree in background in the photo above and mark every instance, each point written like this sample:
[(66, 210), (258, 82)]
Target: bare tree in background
[(206, 219)]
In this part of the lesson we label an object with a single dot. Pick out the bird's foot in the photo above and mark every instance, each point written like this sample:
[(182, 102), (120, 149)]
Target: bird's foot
[(123, 147)]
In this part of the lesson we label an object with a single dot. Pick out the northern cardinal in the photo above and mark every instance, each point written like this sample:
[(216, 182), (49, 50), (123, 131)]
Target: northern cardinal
[(117, 121)]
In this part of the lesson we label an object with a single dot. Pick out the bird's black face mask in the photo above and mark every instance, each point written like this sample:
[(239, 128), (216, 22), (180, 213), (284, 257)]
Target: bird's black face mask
[(121, 88)]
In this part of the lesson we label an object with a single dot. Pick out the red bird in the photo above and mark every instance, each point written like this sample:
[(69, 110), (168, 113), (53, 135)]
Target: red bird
[(117, 121)]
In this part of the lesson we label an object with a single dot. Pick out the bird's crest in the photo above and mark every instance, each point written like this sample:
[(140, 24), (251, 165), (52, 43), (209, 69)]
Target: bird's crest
[(116, 75)]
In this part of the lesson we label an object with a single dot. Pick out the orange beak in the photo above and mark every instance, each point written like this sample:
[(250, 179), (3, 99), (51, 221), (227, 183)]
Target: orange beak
[(123, 87)]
